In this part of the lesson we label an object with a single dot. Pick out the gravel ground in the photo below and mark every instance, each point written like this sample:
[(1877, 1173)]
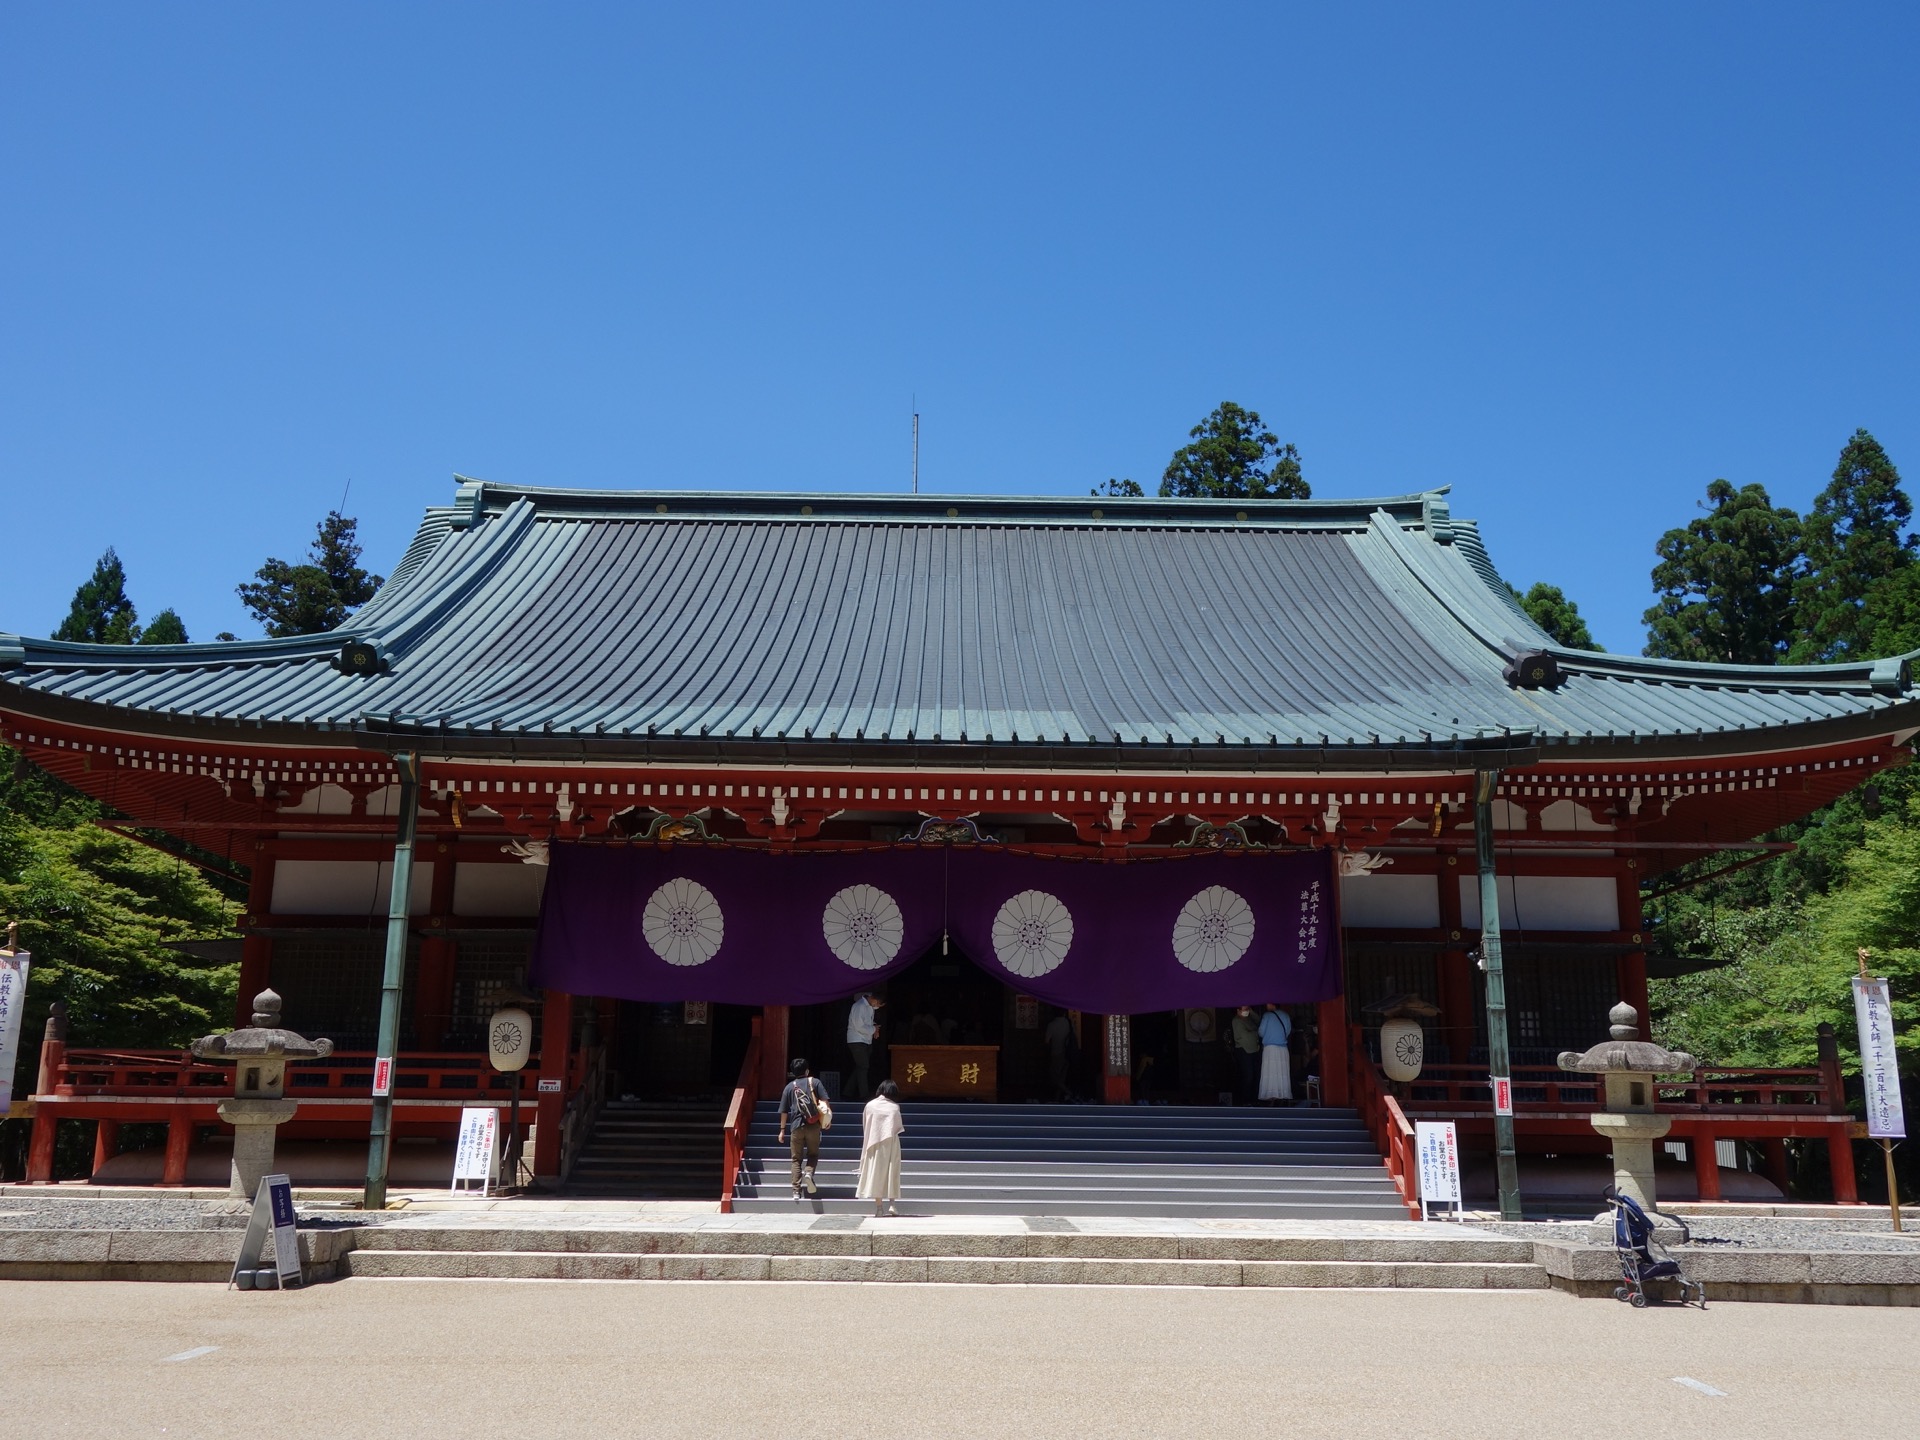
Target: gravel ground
[(82, 1212), (1721, 1232)]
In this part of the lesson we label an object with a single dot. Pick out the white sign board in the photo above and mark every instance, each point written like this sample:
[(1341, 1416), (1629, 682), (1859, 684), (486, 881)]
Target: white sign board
[(272, 1222), (13, 1006), (476, 1155), (1437, 1150), (1879, 1071)]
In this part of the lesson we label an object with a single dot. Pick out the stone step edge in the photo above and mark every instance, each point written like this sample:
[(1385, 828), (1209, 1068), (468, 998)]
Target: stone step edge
[(1042, 1244), (1034, 1270)]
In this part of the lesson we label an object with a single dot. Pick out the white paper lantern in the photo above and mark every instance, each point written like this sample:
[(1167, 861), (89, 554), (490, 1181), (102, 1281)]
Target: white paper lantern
[(1403, 1048)]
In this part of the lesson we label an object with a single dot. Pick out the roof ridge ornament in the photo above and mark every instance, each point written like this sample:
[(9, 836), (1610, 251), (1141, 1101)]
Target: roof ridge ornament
[(1533, 669), (1437, 516), (468, 503)]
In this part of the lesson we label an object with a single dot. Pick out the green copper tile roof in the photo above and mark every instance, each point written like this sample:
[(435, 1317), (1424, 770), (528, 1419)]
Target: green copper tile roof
[(873, 626)]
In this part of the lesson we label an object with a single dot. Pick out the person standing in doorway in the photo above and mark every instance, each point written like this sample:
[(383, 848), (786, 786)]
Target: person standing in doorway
[(1276, 1064), (863, 1025), (800, 1103), (880, 1130), (1243, 1038)]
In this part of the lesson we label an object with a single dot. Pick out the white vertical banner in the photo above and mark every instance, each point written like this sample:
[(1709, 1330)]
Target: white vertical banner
[(1879, 1068), (13, 1006), (1436, 1147)]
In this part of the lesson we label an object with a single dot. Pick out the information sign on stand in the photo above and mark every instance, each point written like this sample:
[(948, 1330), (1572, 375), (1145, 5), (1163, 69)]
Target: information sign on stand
[(476, 1155), (272, 1243), (1437, 1150)]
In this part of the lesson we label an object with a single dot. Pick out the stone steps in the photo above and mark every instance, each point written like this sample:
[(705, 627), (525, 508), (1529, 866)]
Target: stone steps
[(943, 1269)]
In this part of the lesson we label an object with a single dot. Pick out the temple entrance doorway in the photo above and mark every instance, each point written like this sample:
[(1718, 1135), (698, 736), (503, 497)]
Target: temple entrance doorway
[(940, 1002), (678, 1050)]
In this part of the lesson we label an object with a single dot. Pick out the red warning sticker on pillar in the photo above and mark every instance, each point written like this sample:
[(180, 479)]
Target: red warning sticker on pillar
[(1502, 1095), (382, 1076)]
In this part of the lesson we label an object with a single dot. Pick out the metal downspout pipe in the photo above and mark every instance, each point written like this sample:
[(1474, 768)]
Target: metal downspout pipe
[(1499, 1064), (380, 1137)]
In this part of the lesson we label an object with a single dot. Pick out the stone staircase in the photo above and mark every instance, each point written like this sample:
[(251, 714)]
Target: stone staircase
[(651, 1150), (1020, 1252), (1094, 1160)]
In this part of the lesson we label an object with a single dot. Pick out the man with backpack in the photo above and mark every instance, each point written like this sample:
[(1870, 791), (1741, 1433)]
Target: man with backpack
[(803, 1103)]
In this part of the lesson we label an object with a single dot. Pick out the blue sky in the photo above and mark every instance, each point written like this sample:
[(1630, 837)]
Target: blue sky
[(1573, 261)]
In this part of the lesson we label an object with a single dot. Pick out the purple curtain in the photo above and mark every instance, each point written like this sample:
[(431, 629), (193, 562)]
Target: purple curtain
[(755, 927)]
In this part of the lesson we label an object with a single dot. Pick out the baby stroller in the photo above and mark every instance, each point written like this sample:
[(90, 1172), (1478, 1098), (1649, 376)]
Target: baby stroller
[(1642, 1258)]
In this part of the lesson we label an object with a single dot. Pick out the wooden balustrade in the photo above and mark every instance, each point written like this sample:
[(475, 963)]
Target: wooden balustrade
[(746, 1094), (1707, 1090), (176, 1075)]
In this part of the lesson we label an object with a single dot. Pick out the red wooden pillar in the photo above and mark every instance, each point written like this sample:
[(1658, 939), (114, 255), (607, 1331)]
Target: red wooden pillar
[(439, 953), (433, 1000), (256, 951), (1775, 1151), (556, 1041), (106, 1143), (1846, 1190), (773, 1049), (1706, 1163), (1631, 968), (53, 1056), (1456, 970), (40, 1147), (173, 1169), (1334, 1089)]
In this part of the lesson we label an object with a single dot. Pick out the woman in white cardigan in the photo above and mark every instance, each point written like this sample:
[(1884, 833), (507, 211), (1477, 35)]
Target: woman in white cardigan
[(880, 1128)]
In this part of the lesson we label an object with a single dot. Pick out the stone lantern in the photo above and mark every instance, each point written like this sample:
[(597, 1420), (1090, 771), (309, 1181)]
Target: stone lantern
[(260, 1055), (1628, 1065)]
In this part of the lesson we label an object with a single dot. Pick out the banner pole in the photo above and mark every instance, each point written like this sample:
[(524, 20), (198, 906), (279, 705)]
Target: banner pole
[(399, 917), (1886, 1144), (1506, 1163)]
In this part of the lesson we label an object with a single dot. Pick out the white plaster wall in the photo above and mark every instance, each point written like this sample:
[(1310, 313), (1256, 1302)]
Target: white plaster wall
[(344, 887), (497, 889), (1402, 902), (1546, 902)]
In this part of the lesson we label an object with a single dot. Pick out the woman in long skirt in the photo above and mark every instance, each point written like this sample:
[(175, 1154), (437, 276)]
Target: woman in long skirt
[(1276, 1063), (880, 1129)]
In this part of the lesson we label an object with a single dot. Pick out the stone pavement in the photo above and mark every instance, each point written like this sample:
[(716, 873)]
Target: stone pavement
[(394, 1360)]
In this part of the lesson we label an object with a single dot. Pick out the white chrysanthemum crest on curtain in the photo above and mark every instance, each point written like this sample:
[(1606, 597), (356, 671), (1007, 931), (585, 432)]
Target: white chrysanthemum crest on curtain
[(863, 927), (683, 923), (1213, 930), (1032, 933)]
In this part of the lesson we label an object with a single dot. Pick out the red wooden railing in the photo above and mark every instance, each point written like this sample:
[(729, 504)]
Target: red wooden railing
[(1707, 1090), (1386, 1123), (177, 1075), (740, 1120)]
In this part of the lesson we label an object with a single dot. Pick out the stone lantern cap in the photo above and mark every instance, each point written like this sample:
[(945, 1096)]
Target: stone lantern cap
[(262, 1038), (1625, 1052)]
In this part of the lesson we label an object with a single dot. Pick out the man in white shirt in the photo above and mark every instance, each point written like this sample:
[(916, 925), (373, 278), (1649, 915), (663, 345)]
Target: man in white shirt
[(863, 1024)]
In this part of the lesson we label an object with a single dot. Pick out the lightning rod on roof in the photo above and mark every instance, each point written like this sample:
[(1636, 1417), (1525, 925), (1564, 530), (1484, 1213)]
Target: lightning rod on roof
[(916, 444)]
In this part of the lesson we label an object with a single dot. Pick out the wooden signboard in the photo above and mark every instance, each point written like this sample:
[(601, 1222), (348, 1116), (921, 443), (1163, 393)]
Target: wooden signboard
[(947, 1072)]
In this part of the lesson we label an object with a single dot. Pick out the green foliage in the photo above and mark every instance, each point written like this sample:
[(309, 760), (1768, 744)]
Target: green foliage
[(317, 595), (1726, 581), (167, 629), (1233, 457), (1890, 615), (1854, 543), (99, 912), (1119, 489), (1792, 962), (101, 613), (1549, 608)]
